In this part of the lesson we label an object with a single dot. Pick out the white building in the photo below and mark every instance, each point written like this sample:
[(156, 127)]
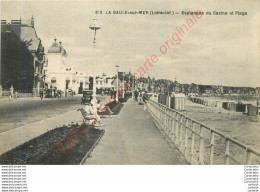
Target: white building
[(59, 73), (104, 83), (82, 82)]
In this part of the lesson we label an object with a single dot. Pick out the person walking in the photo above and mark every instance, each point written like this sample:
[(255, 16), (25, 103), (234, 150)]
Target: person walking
[(136, 95), (59, 94), (41, 94), (145, 100), (11, 92)]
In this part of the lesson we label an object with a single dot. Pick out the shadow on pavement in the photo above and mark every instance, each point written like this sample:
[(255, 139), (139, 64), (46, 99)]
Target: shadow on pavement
[(117, 108)]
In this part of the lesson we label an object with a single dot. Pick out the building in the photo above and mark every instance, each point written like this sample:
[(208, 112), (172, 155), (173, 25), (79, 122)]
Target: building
[(22, 57), (143, 84), (82, 82), (105, 84), (120, 83), (100, 82), (61, 75), (257, 90), (109, 81)]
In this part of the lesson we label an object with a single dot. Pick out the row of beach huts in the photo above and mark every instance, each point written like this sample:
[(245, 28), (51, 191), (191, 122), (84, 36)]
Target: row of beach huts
[(247, 108)]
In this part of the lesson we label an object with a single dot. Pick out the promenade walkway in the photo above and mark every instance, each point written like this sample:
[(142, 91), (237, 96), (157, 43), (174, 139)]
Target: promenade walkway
[(132, 138)]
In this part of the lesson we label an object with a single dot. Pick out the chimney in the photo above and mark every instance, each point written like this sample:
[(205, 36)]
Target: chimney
[(16, 22), (60, 43), (3, 22)]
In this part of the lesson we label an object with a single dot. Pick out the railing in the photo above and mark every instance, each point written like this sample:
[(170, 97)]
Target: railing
[(6, 93), (199, 143)]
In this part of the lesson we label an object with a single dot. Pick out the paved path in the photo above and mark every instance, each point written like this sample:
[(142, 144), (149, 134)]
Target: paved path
[(30, 110), (25, 131), (132, 138)]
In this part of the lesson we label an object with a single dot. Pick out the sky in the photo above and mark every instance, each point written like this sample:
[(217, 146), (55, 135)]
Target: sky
[(217, 50)]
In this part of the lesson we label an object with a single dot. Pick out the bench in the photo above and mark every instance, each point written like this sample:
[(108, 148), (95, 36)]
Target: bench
[(104, 112), (87, 117)]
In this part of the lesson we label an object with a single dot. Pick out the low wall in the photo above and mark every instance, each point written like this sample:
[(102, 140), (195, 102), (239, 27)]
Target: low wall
[(6, 94), (253, 110)]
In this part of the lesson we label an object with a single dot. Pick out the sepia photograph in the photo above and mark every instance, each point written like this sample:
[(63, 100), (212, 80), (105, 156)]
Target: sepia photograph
[(130, 83)]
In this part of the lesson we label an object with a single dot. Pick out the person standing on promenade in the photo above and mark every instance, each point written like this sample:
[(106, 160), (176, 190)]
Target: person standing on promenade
[(136, 95), (145, 99), (59, 94), (41, 94)]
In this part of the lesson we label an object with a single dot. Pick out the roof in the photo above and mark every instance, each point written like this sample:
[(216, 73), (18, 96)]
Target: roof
[(54, 48), (25, 32), (57, 48), (28, 34)]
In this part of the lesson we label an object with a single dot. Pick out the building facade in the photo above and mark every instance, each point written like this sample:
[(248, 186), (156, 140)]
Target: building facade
[(59, 74), (22, 56)]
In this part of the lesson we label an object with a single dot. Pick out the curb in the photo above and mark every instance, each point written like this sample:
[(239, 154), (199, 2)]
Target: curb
[(92, 148)]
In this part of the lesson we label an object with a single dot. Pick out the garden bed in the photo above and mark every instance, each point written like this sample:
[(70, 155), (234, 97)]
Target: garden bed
[(43, 150)]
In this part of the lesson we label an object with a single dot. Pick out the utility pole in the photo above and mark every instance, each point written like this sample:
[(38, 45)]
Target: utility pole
[(117, 83), (95, 26), (123, 86)]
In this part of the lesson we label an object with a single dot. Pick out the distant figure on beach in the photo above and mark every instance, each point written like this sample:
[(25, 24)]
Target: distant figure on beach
[(257, 102)]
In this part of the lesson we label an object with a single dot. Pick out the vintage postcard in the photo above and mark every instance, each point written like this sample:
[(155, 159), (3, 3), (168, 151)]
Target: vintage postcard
[(130, 83)]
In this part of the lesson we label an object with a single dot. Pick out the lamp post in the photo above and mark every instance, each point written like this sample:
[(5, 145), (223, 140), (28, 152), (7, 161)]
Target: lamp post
[(95, 26), (104, 82), (117, 83), (123, 86)]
